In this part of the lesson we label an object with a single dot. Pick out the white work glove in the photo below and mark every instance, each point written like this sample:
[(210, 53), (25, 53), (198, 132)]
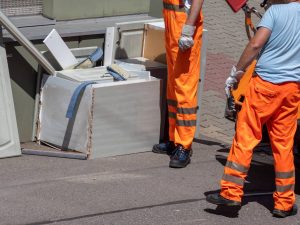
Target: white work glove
[(186, 40), (233, 80)]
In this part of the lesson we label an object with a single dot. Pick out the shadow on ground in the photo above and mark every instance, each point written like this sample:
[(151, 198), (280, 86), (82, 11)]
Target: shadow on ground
[(210, 142), (260, 181)]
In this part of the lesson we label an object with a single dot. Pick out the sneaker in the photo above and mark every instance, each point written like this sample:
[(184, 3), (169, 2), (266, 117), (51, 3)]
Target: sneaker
[(282, 214), (217, 199), (181, 157), (164, 148)]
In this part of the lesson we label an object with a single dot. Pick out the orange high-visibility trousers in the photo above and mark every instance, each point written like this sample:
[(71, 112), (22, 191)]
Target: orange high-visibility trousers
[(183, 74), (275, 105)]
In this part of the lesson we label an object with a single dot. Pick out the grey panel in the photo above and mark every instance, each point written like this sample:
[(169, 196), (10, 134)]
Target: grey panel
[(81, 75)]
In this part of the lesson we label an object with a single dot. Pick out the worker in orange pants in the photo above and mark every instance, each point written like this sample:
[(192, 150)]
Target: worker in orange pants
[(183, 38), (272, 98)]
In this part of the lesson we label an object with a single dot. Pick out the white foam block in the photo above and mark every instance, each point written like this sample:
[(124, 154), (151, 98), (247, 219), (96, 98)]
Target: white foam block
[(60, 50)]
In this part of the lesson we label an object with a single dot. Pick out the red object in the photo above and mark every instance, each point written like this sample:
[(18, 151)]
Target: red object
[(236, 5)]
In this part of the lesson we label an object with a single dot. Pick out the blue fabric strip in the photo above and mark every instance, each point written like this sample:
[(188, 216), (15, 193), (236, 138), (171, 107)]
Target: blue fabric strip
[(115, 75), (96, 55), (75, 96)]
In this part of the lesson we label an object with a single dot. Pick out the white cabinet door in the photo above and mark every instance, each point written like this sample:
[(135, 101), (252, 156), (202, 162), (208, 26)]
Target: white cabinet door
[(9, 137)]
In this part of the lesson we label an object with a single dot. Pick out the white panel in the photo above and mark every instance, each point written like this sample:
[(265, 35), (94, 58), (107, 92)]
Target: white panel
[(110, 39), (126, 117), (60, 50), (9, 138), (55, 128), (131, 44), (4, 135)]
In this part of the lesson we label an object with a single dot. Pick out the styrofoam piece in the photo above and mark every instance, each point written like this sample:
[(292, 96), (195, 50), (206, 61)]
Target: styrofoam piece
[(80, 75), (9, 137), (113, 118), (95, 74), (60, 50)]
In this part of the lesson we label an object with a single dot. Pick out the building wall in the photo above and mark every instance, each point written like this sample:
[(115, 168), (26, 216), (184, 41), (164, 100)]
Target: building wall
[(61, 10), (21, 7)]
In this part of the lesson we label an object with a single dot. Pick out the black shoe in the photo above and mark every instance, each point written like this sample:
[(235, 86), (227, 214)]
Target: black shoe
[(164, 148), (181, 158), (282, 214), (217, 199)]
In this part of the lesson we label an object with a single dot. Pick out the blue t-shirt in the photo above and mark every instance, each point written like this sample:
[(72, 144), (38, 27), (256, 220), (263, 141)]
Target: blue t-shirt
[(279, 60)]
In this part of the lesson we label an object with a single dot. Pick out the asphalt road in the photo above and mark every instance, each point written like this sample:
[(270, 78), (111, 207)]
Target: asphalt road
[(131, 190)]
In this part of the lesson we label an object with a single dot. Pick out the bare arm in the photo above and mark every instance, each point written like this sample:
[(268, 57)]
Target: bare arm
[(253, 48), (194, 12)]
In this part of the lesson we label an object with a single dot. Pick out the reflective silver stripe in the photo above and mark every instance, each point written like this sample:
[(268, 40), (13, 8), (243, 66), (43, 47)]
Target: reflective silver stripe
[(285, 175), (172, 102), (172, 115), (187, 111), (186, 123), (233, 179), (237, 167), (177, 8), (290, 187)]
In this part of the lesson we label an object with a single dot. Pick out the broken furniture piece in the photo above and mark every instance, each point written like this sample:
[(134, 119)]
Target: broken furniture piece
[(110, 118)]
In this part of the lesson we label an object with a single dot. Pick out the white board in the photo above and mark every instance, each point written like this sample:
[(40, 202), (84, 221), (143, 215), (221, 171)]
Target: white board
[(60, 50), (9, 137)]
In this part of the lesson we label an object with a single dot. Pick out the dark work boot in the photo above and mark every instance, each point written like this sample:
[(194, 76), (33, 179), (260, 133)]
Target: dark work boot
[(217, 199), (282, 214), (164, 148), (181, 157)]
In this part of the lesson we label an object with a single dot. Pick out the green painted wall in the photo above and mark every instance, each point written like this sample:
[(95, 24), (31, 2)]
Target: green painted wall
[(79, 9), (156, 7)]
